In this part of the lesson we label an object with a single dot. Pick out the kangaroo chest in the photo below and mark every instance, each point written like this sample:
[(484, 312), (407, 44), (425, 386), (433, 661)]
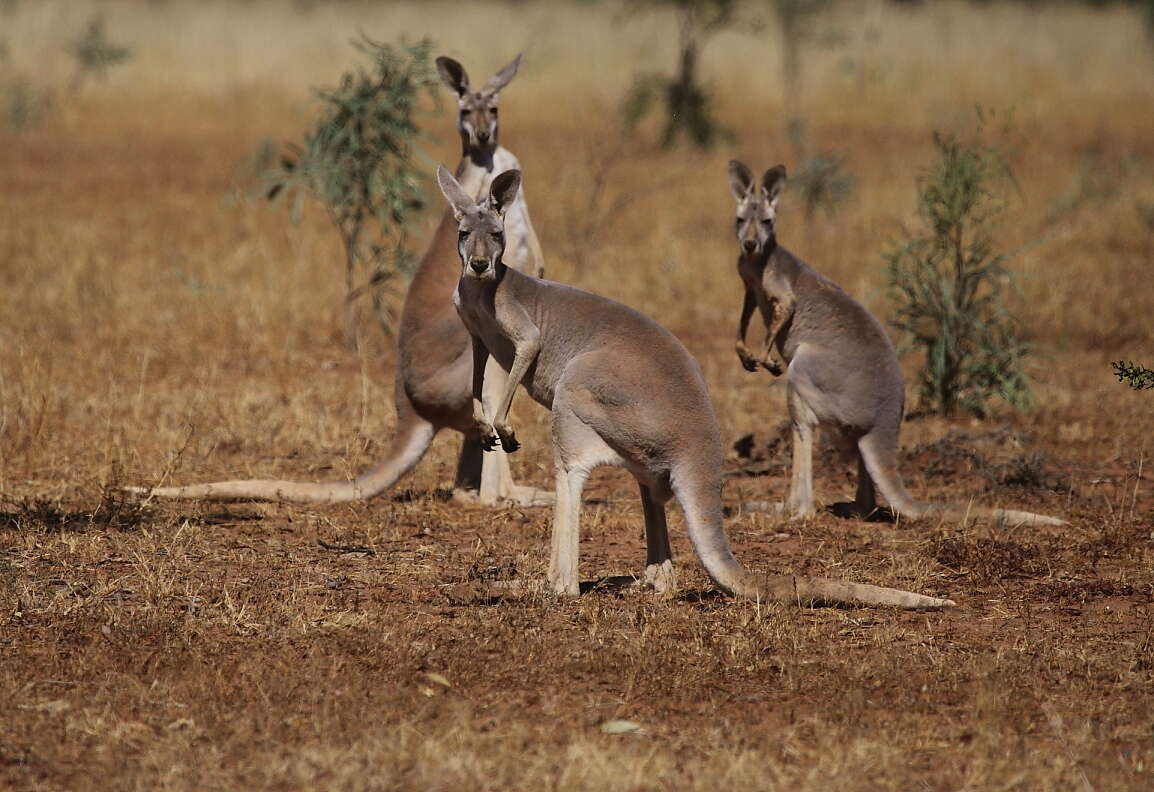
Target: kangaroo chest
[(763, 282), (476, 306)]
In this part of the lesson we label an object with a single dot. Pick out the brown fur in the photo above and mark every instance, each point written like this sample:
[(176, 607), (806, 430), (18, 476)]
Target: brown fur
[(842, 370)]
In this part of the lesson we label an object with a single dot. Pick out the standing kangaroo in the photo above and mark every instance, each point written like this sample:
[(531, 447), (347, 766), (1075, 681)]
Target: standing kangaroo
[(434, 359), (622, 391), (843, 372)]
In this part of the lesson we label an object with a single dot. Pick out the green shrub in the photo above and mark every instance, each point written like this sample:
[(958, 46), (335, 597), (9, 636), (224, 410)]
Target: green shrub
[(685, 99), (948, 282), (822, 182), (357, 161), (1136, 376), (94, 53), (24, 103)]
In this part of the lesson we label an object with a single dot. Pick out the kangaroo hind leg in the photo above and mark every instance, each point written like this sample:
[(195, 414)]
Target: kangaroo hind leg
[(659, 572), (865, 501), (495, 479), (804, 422), (577, 450)]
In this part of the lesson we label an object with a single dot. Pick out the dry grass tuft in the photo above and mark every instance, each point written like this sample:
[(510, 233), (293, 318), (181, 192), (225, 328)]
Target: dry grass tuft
[(986, 559)]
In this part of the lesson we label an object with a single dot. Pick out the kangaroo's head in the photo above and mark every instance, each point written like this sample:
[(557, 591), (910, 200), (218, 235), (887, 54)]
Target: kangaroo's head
[(476, 110), (756, 206), (480, 225)]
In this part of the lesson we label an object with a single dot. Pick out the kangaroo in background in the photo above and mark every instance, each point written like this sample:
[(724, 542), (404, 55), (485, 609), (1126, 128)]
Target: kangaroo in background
[(842, 370), (434, 359), (622, 391)]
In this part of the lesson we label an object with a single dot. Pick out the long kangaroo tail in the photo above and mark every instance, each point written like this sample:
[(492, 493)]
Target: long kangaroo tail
[(700, 499), (414, 434), (881, 460)]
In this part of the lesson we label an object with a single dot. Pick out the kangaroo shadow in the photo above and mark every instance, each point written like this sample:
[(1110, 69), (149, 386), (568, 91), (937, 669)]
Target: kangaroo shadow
[(848, 510)]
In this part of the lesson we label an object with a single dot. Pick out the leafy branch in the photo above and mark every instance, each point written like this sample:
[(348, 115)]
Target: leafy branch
[(357, 161), (1136, 376)]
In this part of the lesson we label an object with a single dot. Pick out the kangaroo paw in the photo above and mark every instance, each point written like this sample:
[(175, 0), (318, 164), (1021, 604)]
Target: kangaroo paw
[(508, 439), (772, 366), (490, 438), (530, 496)]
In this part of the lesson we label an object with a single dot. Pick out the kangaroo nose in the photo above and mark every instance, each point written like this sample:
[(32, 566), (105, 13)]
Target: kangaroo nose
[(482, 137), (479, 265), (749, 245)]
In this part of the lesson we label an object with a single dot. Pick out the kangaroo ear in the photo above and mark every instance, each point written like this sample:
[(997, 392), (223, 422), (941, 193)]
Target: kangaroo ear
[(740, 179), (453, 75), (503, 77), (454, 193), (773, 182), (504, 191)]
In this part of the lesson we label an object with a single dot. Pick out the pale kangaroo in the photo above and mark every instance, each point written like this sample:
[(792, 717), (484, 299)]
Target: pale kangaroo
[(622, 391), (434, 358), (843, 372)]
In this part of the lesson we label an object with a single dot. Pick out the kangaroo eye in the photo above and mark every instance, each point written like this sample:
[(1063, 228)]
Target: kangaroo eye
[(461, 234), (498, 235), (466, 112), (493, 112)]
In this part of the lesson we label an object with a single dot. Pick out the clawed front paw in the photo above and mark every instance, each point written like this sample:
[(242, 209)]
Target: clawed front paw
[(508, 439), (490, 440), (494, 437), (748, 361), (772, 366)]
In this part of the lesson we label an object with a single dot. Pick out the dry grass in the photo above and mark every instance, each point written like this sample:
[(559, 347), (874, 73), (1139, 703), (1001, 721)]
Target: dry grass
[(151, 328)]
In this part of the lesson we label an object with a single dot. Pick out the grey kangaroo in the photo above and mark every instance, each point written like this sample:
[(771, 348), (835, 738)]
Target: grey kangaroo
[(434, 359), (622, 390), (841, 370)]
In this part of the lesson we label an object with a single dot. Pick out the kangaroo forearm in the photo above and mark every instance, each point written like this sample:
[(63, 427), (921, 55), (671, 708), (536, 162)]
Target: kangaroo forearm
[(782, 313), (522, 359), (480, 360), (746, 312)]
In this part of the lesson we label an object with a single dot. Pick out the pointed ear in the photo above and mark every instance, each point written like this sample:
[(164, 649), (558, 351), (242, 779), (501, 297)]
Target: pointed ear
[(773, 182), (503, 77), (453, 75), (454, 193), (740, 179), (504, 191)]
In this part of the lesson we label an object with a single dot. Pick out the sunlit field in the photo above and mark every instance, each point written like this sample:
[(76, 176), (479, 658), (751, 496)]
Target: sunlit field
[(162, 323)]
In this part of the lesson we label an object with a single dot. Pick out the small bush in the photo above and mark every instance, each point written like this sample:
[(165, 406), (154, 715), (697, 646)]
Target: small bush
[(948, 282), (357, 161), (822, 182), (686, 100), (25, 104), (94, 53), (1137, 377)]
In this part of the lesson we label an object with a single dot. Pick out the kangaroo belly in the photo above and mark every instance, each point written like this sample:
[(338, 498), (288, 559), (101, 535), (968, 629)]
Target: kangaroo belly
[(851, 392), (435, 369)]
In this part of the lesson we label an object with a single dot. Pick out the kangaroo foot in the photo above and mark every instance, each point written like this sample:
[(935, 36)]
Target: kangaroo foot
[(530, 496), (662, 578)]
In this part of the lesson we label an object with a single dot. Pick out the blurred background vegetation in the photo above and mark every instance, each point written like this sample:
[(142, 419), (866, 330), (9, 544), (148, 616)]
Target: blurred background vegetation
[(156, 114)]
